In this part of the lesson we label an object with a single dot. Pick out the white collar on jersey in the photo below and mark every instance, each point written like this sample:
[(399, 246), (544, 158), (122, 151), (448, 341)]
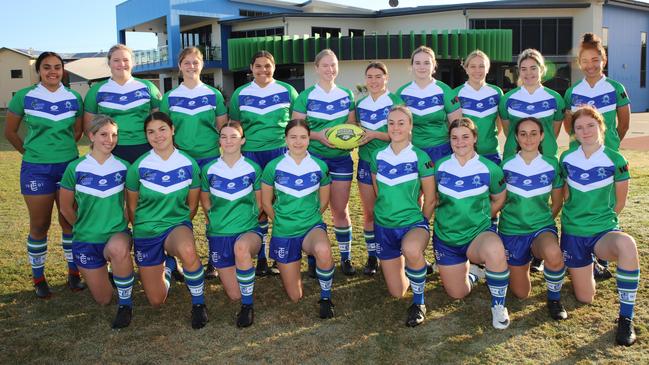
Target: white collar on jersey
[(600, 150), (406, 149), (333, 88), (257, 86), (42, 87), (598, 83)]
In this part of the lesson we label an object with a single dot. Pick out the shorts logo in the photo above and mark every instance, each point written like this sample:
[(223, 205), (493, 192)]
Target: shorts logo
[(281, 252), (216, 257), (566, 256), (139, 256), (82, 258), (438, 255), (34, 185)]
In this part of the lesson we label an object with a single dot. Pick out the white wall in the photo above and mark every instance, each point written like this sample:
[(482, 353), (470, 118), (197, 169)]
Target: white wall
[(425, 22)]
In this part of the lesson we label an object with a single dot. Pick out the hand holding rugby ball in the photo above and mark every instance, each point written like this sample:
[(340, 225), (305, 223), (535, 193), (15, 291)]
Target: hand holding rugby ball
[(345, 136)]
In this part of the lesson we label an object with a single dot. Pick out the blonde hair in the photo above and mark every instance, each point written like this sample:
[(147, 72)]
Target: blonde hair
[(322, 54), (119, 47), (98, 122), (189, 51), (402, 108), (426, 50), (535, 56), (474, 54), (590, 111)]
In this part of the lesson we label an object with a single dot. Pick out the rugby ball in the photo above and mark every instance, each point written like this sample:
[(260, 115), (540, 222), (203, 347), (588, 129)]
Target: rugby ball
[(345, 136)]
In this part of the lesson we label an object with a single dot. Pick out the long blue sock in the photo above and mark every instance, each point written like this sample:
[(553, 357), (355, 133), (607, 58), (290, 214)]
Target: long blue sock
[(417, 279), (554, 282), (326, 278), (370, 243), (195, 281), (498, 283), (66, 242), (246, 280), (263, 225), (124, 289), (37, 251), (627, 287), (344, 238)]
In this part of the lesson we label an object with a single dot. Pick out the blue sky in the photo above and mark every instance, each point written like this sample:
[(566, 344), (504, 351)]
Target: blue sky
[(89, 26)]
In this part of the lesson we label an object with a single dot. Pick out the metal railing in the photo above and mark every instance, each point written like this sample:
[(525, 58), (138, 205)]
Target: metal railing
[(161, 55)]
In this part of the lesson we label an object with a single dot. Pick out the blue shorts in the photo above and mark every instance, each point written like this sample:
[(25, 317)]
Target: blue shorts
[(578, 250), (41, 178), (518, 248), (262, 158), (439, 151), (222, 248), (289, 249), (340, 168), (364, 174), (493, 157), (204, 161), (88, 255), (388, 240), (131, 153), (446, 254), (151, 251)]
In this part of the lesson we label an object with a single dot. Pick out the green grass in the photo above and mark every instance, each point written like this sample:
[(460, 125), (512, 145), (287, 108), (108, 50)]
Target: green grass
[(368, 327)]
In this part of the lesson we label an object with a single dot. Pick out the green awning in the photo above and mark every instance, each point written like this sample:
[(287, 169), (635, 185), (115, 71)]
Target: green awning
[(447, 44)]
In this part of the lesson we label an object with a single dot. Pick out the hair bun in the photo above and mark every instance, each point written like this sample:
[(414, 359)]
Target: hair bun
[(590, 38)]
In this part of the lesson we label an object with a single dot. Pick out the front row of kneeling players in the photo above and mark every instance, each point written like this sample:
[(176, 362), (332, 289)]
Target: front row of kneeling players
[(464, 191)]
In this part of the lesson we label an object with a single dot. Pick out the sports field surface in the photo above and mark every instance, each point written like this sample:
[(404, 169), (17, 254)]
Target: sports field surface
[(368, 327)]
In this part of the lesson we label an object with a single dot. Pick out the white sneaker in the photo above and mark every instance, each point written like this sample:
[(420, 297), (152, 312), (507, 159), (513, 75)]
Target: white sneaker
[(500, 317), (477, 271)]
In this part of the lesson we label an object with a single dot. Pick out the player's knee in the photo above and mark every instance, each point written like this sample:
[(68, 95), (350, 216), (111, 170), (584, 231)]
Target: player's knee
[(295, 296), (187, 252), (323, 252), (585, 297), (554, 257), (156, 300), (457, 293), (118, 252)]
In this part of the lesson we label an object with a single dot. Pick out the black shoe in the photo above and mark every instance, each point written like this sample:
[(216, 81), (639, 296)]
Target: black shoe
[(372, 266), (210, 271), (199, 316), (262, 267), (274, 270), (430, 268), (416, 315), (326, 308), (75, 283), (123, 317), (601, 272), (536, 265), (625, 335), (43, 290), (347, 268), (246, 316), (557, 311), (177, 273), (311, 272)]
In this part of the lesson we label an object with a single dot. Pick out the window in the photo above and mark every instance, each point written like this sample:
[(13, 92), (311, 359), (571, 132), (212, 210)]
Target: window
[(257, 32), (197, 37), (322, 31), (16, 74), (252, 13), (356, 32), (643, 59), (552, 36)]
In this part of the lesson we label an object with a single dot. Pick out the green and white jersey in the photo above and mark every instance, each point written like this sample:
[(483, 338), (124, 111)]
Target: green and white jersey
[(544, 104), (429, 107), (194, 112), (263, 113), (50, 118), (232, 193), (373, 115), (128, 104), (163, 187), (591, 182), (325, 110), (398, 182), (464, 193), (296, 188), (99, 194), (528, 191), (482, 107), (607, 95)]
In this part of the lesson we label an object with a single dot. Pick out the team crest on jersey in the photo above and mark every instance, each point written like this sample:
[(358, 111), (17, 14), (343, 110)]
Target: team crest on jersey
[(118, 178), (276, 99), (492, 101), (476, 180), (314, 177)]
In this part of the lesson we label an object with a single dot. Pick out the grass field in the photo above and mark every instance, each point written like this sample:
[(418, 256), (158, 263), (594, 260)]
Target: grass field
[(368, 327)]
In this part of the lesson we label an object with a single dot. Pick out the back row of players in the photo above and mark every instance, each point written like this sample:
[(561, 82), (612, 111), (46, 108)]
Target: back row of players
[(402, 153)]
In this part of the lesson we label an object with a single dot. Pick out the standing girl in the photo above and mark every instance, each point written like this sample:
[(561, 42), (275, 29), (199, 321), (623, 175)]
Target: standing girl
[(326, 105), (53, 114), (92, 200), (372, 115)]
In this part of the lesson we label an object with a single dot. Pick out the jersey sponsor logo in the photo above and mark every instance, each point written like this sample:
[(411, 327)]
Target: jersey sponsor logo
[(593, 178), (529, 182), (462, 186), (396, 174), (298, 182), (478, 106), (231, 189), (264, 102), (123, 99), (599, 101), (328, 108), (180, 102), (373, 119), (531, 108), (165, 179), (49, 109)]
